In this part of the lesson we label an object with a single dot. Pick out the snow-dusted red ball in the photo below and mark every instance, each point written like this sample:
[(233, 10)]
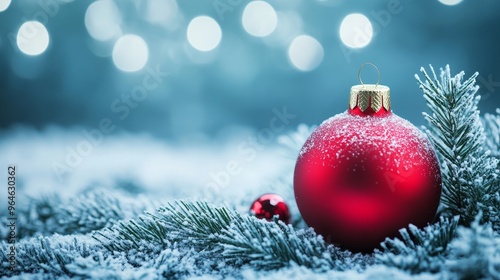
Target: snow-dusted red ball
[(360, 178), (269, 205)]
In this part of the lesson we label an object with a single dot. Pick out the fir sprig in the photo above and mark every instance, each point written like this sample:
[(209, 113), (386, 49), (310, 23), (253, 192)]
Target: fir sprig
[(470, 175), (84, 213), (50, 254), (474, 254), (491, 124), (420, 249), (237, 239)]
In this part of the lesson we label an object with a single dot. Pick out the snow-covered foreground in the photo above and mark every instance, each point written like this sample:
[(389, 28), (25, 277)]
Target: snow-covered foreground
[(75, 191), (67, 162)]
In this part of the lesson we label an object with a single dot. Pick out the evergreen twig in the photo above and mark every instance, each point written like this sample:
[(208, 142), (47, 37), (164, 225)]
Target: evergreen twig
[(491, 124), (470, 176), (420, 249), (237, 239), (474, 253), (81, 214), (50, 254)]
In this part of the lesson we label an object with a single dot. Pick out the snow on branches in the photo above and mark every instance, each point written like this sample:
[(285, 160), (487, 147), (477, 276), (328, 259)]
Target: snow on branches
[(470, 176)]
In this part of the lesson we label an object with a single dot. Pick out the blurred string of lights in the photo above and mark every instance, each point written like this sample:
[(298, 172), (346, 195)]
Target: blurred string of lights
[(450, 2), (130, 52), (4, 4)]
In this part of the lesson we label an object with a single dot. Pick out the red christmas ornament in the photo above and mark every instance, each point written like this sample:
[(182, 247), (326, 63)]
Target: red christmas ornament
[(366, 173), (269, 205)]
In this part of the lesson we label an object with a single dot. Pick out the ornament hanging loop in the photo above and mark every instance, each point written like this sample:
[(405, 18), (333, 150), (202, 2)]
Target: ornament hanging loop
[(361, 68)]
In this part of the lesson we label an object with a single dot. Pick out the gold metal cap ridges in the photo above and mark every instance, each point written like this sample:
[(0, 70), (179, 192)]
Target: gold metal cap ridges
[(361, 95)]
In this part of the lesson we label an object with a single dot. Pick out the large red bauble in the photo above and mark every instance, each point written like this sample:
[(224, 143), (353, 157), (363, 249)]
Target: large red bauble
[(360, 177)]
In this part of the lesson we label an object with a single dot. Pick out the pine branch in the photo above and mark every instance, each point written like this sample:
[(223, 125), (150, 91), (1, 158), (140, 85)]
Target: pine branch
[(49, 254), (82, 214), (266, 245), (470, 177), (421, 249), (56, 256), (234, 238), (36, 217), (174, 264), (491, 124), (90, 212), (474, 253)]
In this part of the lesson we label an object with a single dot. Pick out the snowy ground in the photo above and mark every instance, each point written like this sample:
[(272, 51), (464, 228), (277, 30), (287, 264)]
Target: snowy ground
[(67, 162), (232, 170)]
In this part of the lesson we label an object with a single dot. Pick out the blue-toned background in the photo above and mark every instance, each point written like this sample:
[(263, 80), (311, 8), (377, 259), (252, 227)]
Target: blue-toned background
[(150, 93), (75, 80)]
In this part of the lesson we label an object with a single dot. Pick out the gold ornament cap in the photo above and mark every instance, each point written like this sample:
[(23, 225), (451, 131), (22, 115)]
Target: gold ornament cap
[(369, 96)]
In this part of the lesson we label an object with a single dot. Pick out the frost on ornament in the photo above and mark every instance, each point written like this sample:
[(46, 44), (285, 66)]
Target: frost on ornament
[(374, 135)]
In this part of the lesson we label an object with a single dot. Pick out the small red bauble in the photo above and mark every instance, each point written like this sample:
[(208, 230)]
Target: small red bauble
[(269, 205), (364, 174)]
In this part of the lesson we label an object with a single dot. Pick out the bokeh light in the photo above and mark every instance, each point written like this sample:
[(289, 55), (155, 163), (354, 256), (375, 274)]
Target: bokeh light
[(305, 53), (450, 2), (204, 33), (259, 19), (290, 25), (130, 53), (356, 31), (4, 4), (32, 38), (163, 12), (102, 20)]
